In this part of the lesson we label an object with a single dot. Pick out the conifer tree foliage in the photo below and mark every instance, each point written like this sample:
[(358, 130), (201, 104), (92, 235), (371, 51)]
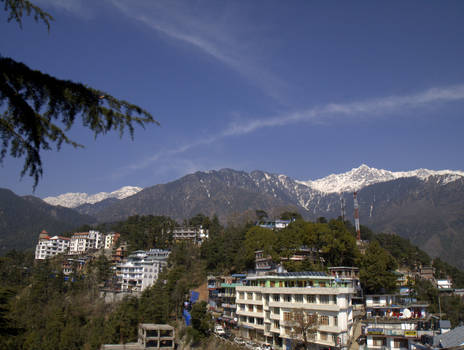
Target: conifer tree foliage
[(37, 110), (376, 273), (16, 9)]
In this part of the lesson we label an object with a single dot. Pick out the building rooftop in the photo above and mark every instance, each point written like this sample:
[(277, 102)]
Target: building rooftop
[(156, 326), (291, 275), (454, 337)]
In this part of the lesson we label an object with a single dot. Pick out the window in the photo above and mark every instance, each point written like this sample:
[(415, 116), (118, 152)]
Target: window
[(324, 299), (336, 321), (250, 308), (400, 343), (287, 316), (276, 324), (276, 297), (288, 298), (324, 320), (311, 299), (251, 320), (321, 284), (376, 300), (250, 296), (259, 308), (323, 335), (258, 297), (241, 295), (272, 284), (242, 307), (378, 341), (276, 311), (259, 321), (298, 298), (334, 299)]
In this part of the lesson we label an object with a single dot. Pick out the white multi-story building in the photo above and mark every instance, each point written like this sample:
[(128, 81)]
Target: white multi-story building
[(83, 241), (50, 246), (444, 284), (141, 269), (268, 304), (111, 239)]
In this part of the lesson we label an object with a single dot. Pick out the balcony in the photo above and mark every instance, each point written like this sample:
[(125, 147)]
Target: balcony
[(249, 313)]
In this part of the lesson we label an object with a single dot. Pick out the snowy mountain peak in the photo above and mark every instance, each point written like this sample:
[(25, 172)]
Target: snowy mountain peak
[(72, 200), (358, 178)]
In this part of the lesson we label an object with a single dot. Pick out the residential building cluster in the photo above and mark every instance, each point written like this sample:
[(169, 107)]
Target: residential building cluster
[(133, 273), (78, 244), (270, 307)]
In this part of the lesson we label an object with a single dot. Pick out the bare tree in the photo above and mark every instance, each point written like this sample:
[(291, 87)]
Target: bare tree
[(304, 327)]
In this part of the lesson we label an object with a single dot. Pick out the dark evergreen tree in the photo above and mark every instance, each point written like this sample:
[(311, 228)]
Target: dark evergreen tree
[(38, 109)]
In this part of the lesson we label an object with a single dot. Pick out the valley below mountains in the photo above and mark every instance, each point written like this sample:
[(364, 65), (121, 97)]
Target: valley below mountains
[(424, 206)]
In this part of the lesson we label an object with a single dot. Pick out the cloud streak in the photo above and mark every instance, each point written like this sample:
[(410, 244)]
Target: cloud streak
[(218, 33), (327, 114), (333, 111)]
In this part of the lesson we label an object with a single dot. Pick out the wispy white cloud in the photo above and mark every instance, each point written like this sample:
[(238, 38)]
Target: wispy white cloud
[(360, 109), (328, 114), (218, 32)]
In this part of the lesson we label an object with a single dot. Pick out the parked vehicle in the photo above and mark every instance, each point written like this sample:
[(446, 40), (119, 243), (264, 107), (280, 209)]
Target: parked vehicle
[(219, 330), (239, 341)]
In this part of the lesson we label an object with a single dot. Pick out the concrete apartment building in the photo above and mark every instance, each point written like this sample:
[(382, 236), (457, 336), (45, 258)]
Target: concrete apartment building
[(111, 239), (266, 306), (396, 322), (50, 246), (150, 336), (141, 269), (221, 298), (196, 235), (84, 241)]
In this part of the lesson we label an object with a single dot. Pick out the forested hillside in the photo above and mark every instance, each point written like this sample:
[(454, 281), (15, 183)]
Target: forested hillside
[(23, 218), (40, 309)]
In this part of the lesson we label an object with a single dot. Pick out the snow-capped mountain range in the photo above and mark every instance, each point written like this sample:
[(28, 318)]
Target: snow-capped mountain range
[(73, 200), (353, 180), (358, 178)]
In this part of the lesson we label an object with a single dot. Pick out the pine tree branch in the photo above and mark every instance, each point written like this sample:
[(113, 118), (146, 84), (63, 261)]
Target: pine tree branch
[(40, 109), (16, 9)]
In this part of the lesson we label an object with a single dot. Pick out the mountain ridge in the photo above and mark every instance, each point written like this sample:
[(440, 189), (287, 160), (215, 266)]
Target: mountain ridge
[(350, 181), (75, 199), (424, 206)]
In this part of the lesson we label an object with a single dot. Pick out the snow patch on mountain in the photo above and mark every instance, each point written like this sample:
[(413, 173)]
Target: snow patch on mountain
[(358, 178), (73, 200)]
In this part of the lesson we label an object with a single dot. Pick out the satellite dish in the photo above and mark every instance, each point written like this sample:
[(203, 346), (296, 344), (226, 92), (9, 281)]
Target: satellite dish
[(406, 313)]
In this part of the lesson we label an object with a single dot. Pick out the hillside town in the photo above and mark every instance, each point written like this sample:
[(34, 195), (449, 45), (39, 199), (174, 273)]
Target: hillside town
[(269, 307)]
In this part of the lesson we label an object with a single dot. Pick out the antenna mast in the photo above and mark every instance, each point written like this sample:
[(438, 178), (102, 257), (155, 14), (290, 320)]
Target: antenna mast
[(356, 216), (342, 203)]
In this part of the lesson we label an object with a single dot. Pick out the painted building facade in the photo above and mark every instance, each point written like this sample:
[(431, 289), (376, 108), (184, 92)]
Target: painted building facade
[(267, 305)]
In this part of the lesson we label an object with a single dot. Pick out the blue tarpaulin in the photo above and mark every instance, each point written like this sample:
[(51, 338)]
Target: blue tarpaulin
[(194, 296)]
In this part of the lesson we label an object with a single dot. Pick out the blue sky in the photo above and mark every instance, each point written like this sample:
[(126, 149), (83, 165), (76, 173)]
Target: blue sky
[(302, 88)]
